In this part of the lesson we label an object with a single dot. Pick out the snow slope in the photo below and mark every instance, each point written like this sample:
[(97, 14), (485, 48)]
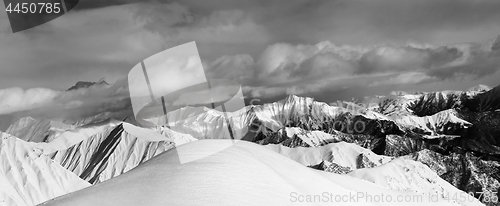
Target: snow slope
[(27, 177), (37, 130), (108, 150), (342, 153), (241, 174), (311, 138), (433, 125), (408, 175)]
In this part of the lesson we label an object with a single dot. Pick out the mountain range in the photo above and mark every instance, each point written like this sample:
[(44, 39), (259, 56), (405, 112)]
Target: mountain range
[(442, 145)]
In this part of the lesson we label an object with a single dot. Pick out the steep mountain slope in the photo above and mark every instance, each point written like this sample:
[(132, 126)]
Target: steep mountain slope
[(390, 172), (458, 130), (443, 122), (204, 123), (434, 102), (114, 149), (407, 175), (395, 104), (243, 174), (451, 133), (256, 123), (487, 101), (27, 177), (473, 91), (464, 171), (37, 130)]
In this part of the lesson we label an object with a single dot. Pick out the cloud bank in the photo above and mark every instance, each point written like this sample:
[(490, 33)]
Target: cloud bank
[(330, 50)]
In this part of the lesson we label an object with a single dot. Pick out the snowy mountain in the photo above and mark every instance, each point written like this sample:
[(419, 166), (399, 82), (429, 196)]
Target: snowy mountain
[(37, 130), (28, 178), (109, 149), (442, 142), (245, 174)]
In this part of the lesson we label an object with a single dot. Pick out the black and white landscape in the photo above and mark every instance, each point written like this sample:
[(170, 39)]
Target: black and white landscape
[(342, 103)]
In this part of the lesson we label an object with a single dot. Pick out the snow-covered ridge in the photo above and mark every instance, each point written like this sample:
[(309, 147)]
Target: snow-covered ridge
[(408, 175), (399, 174), (112, 149), (312, 138), (435, 124), (242, 174), (481, 88), (342, 153), (37, 130), (304, 112), (27, 177)]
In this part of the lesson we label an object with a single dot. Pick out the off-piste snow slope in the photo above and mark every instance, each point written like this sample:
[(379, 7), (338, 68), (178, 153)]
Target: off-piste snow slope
[(102, 151), (27, 177), (241, 173), (395, 173)]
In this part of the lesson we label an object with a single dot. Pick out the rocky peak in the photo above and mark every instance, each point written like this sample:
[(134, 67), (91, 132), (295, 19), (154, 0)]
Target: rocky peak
[(84, 84)]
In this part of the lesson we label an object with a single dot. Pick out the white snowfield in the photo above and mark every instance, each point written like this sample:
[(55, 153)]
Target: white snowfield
[(341, 153), (27, 177), (241, 174)]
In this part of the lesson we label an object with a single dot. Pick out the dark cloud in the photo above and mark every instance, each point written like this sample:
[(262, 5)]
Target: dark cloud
[(369, 22), (388, 58), (236, 67), (93, 4), (496, 44), (284, 69), (332, 48), (85, 45), (480, 67)]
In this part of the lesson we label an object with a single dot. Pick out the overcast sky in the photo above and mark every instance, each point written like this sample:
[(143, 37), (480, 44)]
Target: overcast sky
[(326, 49)]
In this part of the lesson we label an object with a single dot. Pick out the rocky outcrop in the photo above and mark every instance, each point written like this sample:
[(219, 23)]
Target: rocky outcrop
[(487, 101), (83, 84), (464, 171), (432, 103)]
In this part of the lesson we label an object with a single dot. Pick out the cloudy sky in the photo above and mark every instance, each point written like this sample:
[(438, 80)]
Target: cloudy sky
[(327, 49)]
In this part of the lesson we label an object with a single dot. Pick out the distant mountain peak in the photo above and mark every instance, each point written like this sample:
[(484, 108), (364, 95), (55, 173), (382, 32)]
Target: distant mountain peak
[(84, 84), (479, 88), (404, 93)]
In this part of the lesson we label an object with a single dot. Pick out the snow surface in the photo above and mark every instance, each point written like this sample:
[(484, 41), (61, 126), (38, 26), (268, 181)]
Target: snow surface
[(342, 153), (311, 138), (408, 175), (27, 177), (240, 174), (398, 174), (434, 124)]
